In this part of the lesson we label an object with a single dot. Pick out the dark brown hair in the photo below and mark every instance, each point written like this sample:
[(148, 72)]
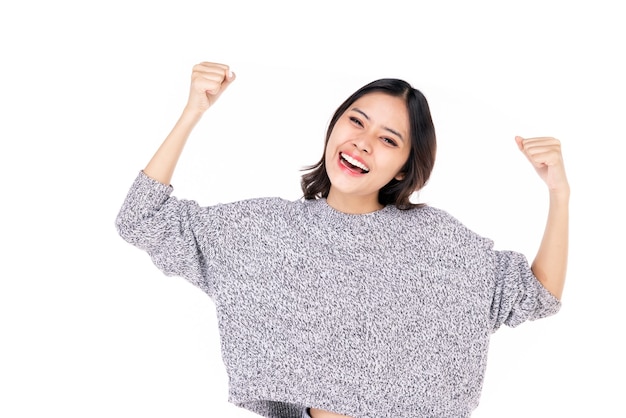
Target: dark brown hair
[(316, 183)]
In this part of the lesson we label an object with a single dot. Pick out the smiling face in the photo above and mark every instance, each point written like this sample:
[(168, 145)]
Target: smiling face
[(367, 148)]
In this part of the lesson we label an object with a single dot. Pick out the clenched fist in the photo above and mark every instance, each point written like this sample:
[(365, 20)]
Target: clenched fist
[(208, 82)]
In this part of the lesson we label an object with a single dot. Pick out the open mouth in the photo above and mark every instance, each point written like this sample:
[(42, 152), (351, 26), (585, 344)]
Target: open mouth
[(353, 164)]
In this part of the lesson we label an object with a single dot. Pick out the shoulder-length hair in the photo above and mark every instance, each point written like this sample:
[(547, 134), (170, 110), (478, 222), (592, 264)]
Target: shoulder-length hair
[(419, 165)]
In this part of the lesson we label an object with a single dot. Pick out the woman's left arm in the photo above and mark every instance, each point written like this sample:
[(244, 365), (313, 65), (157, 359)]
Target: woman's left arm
[(550, 264)]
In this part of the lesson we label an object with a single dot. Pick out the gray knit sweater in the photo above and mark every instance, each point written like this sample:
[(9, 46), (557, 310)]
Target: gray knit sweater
[(386, 314)]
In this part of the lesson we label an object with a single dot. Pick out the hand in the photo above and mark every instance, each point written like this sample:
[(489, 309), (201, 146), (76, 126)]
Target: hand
[(208, 82), (544, 153)]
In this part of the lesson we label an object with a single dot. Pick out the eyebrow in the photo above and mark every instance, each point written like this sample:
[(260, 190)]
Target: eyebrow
[(393, 131)]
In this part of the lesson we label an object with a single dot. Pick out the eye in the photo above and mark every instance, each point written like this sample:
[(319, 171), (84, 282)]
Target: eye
[(356, 121), (389, 141)]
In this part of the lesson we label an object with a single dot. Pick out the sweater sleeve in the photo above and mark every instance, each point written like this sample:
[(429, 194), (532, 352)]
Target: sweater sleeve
[(167, 229), (519, 296)]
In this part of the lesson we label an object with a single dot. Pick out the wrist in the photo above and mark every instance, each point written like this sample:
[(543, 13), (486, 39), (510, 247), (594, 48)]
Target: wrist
[(560, 195), (192, 114)]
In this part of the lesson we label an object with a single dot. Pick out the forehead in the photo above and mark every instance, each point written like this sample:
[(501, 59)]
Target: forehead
[(384, 109)]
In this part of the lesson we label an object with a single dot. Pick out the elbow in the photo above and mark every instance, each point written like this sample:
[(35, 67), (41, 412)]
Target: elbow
[(125, 229), (552, 284)]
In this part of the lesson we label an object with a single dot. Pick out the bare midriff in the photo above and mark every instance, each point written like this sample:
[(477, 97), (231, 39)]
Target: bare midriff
[(320, 413)]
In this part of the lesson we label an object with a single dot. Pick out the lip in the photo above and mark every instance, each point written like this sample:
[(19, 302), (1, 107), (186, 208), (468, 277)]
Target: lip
[(347, 169)]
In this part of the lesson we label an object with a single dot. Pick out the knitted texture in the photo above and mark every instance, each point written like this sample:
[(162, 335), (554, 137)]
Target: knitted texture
[(386, 314)]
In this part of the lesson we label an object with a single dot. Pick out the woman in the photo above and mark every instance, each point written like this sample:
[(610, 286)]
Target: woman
[(354, 301)]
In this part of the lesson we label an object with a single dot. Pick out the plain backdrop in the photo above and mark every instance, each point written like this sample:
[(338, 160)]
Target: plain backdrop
[(88, 90)]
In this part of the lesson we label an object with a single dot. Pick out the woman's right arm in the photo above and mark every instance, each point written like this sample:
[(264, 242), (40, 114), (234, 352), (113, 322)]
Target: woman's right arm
[(208, 82), (150, 218)]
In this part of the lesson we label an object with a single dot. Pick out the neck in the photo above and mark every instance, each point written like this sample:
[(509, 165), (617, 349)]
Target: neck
[(355, 205)]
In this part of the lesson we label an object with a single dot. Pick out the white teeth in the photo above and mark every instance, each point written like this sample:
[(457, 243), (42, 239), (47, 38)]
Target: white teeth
[(354, 162)]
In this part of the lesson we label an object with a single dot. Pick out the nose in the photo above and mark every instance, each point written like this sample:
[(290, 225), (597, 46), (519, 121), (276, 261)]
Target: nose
[(363, 143)]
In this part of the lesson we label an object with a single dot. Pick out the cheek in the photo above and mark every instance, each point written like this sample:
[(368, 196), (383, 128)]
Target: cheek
[(399, 166), (405, 160), (399, 160), (328, 153), (330, 147)]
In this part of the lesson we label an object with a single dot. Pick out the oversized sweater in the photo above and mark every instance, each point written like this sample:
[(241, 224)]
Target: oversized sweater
[(385, 314)]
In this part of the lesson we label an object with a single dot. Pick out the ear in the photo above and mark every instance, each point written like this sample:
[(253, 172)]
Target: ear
[(400, 176)]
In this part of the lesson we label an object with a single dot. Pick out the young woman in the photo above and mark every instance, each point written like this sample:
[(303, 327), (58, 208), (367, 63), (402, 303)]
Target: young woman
[(353, 301)]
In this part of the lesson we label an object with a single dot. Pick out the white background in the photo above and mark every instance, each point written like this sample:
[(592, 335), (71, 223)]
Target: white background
[(90, 328)]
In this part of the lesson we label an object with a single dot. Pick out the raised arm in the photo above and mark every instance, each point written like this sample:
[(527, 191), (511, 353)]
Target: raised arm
[(550, 264), (208, 82)]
